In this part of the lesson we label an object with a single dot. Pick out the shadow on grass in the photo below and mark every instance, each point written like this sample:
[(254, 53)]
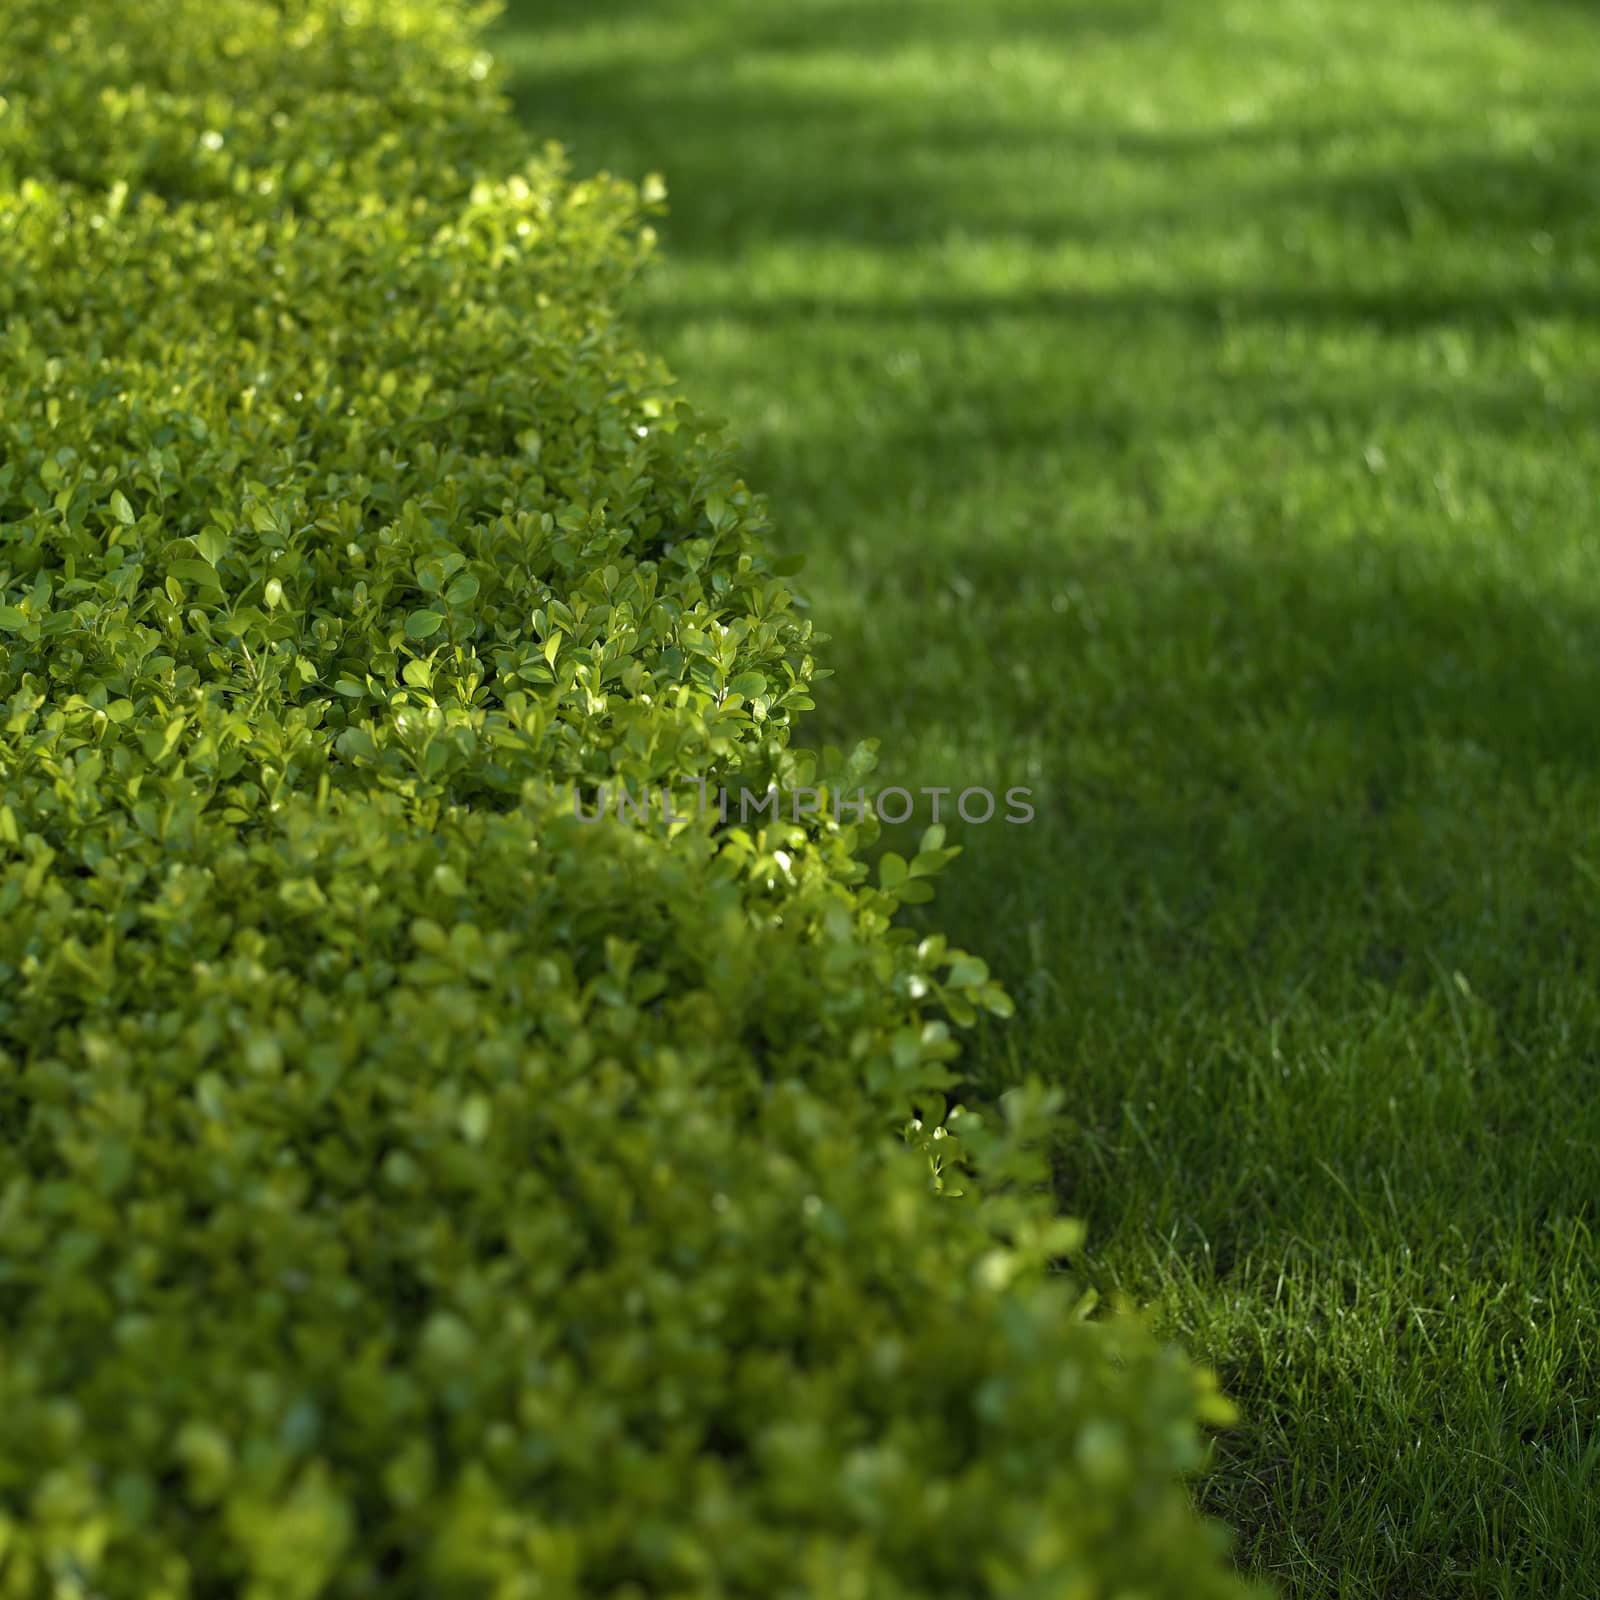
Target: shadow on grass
[(750, 163), (753, 156), (812, 25), (1280, 732), (1393, 646), (1282, 802), (1473, 193), (1405, 309)]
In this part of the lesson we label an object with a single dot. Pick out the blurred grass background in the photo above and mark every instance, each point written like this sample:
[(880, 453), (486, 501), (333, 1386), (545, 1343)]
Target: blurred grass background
[(1190, 412)]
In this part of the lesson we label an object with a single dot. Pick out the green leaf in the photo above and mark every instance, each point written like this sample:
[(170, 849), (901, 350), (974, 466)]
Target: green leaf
[(967, 972), (960, 1010), (122, 509), (211, 543), (995, 999), (423, 624), (200, 573)]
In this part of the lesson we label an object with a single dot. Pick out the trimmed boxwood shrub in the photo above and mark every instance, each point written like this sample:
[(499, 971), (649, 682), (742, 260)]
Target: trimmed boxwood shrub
[(408, 1188)]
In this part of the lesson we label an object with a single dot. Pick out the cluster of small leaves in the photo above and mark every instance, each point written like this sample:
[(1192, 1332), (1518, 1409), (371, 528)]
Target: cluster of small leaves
[(406, 1187)]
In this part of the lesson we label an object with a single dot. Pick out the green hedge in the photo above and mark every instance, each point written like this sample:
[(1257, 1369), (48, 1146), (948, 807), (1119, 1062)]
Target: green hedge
[(407, 1188)]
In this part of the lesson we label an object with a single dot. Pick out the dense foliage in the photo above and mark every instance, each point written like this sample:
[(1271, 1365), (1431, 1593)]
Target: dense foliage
[(407, 1187)]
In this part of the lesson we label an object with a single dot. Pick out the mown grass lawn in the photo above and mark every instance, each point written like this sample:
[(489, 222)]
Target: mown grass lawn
[(1191, 412)]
